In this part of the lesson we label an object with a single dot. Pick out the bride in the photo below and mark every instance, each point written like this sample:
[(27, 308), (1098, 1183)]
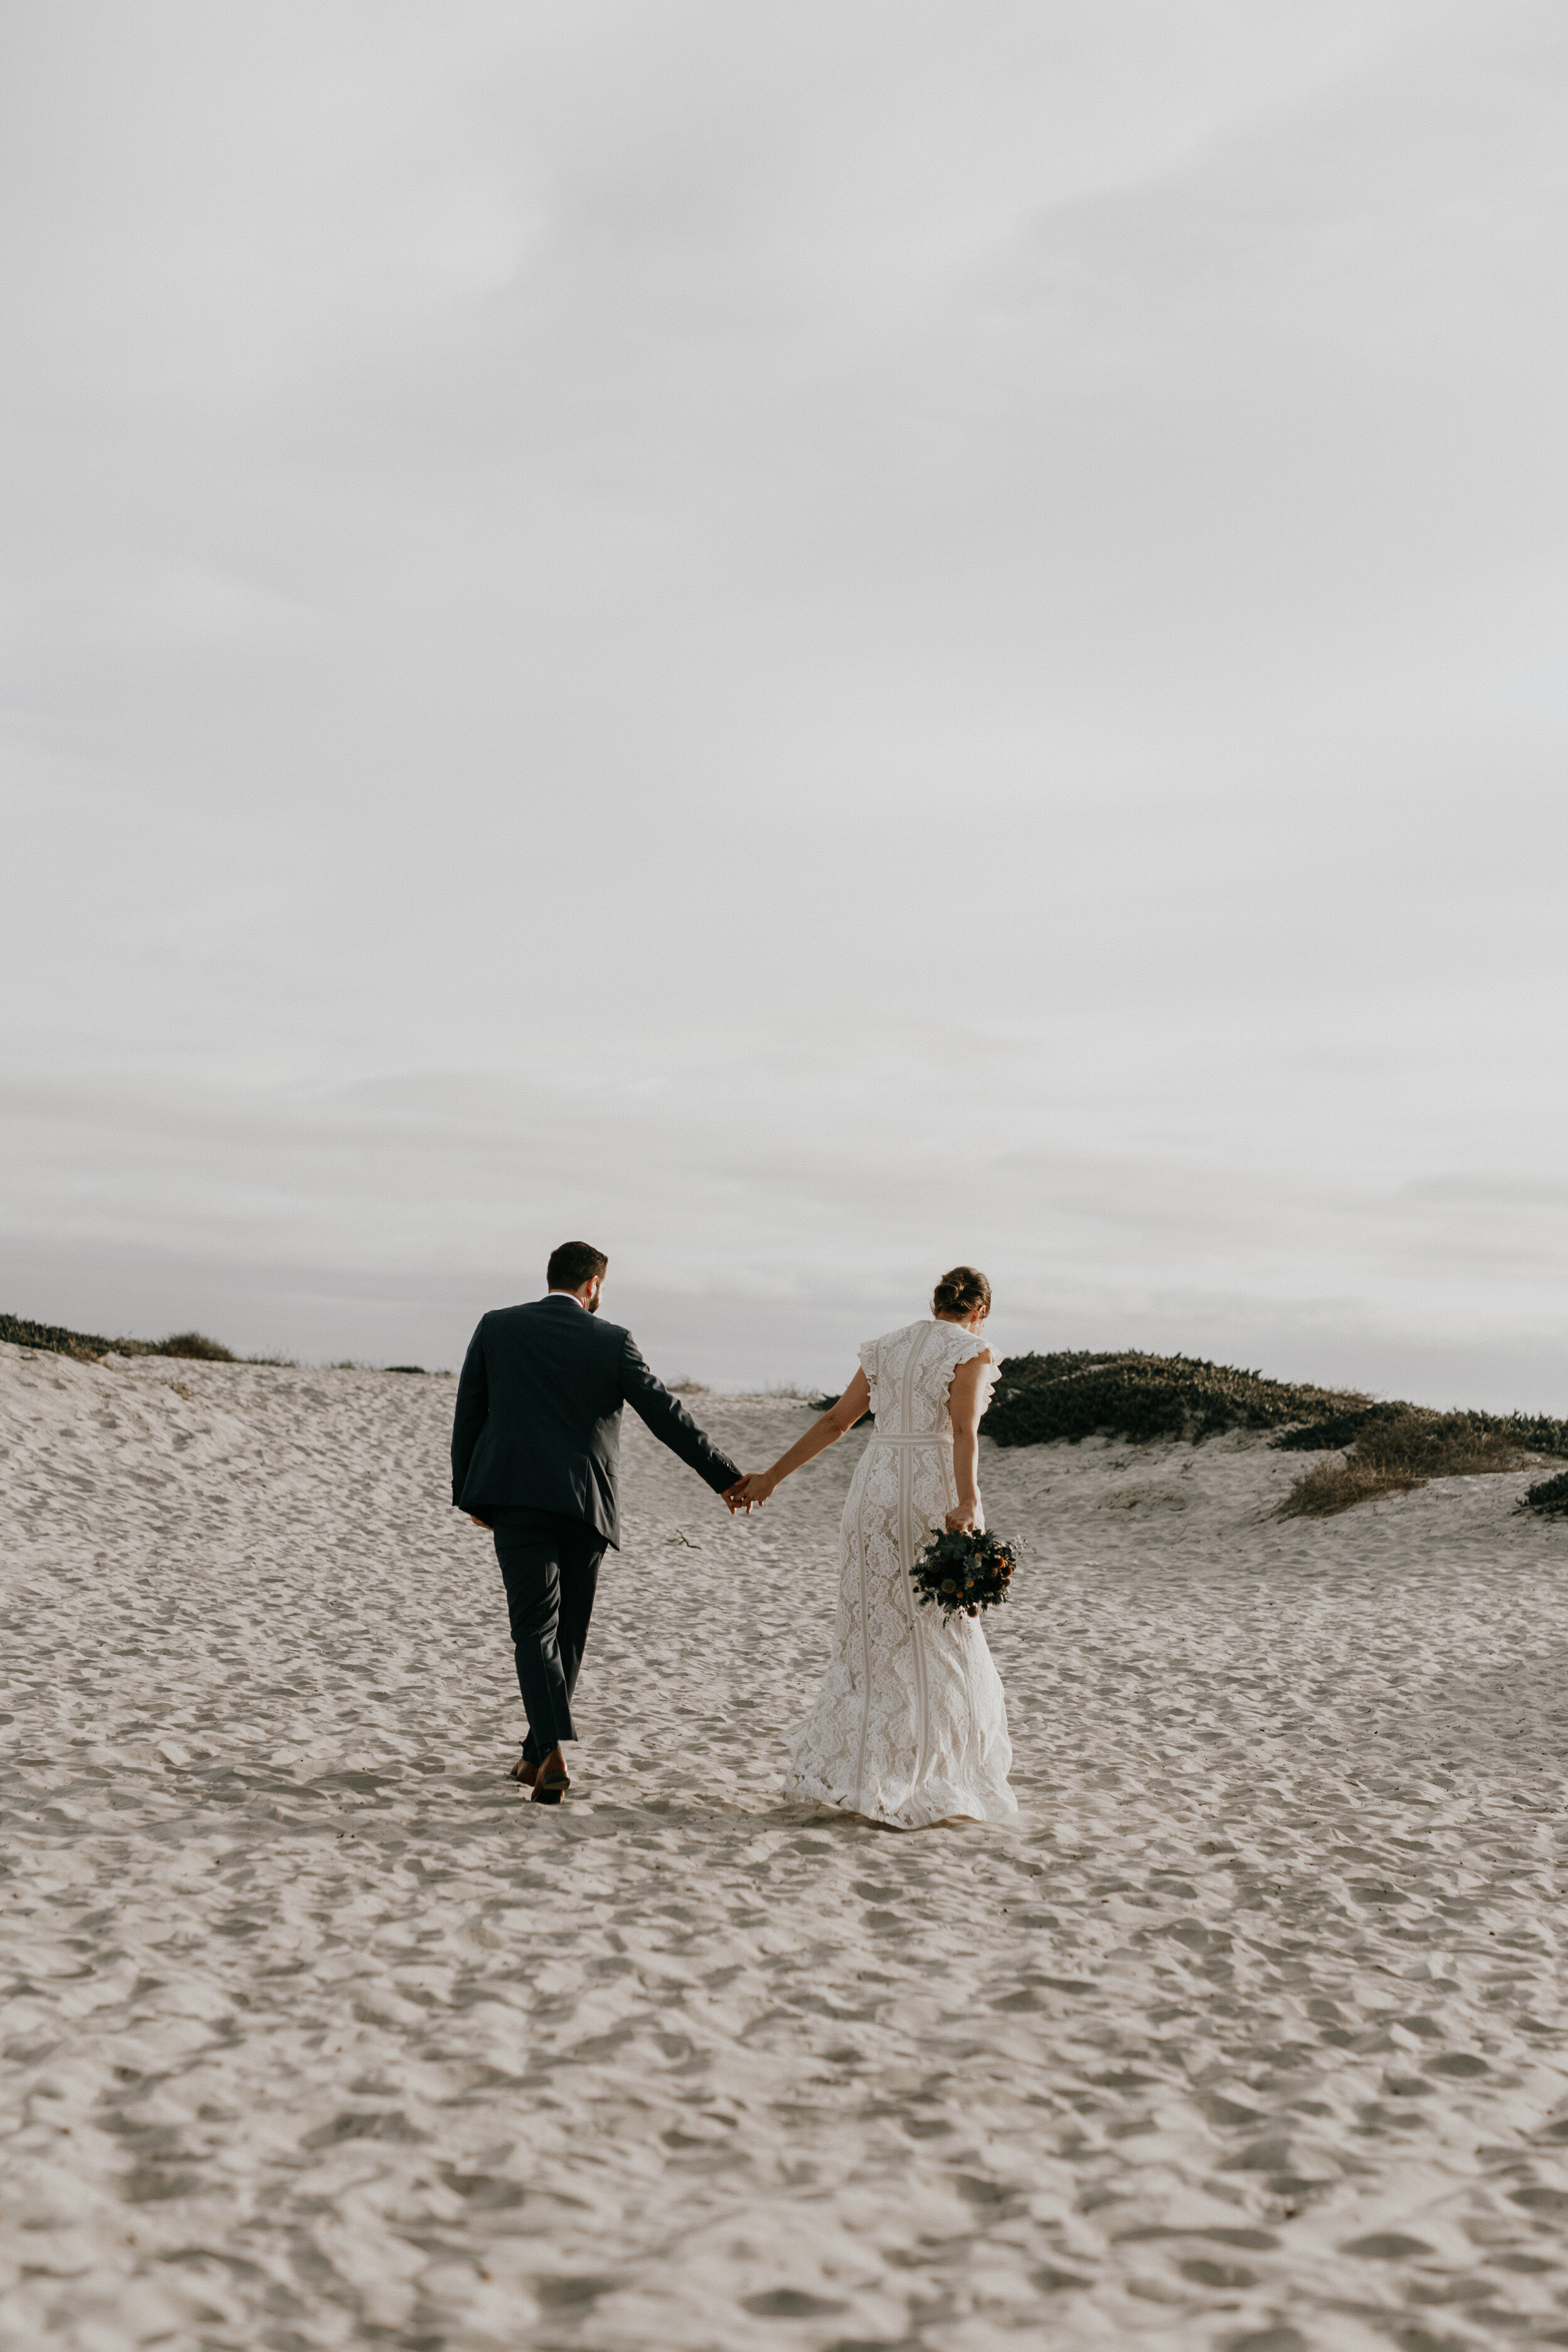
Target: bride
[(910, 1726)]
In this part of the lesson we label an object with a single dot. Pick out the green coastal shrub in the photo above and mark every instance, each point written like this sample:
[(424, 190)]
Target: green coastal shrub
[(88, 1348), (1437, 1445), (1396, 1447), (1370, 1427), (52, 1339), (195, 1347), (1391, 1446), (1551, 1495), (1075, 1395)]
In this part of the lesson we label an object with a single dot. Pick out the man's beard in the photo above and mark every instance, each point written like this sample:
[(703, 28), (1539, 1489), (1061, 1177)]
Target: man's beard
[(592, 1304)]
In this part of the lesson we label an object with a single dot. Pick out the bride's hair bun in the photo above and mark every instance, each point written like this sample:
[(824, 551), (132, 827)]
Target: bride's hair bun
[(960, 1291)]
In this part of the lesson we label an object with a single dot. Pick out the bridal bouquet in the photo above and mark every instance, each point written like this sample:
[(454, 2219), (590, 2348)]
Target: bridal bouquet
[(967, 1572)]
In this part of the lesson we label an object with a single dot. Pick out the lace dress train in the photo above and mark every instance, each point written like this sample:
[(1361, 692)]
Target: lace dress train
[(911, 1725)]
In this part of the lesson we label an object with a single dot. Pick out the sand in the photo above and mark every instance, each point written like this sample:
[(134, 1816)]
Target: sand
[(1249, 2032)]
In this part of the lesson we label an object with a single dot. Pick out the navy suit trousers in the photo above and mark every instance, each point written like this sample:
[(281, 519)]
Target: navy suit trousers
[(549, 1565)]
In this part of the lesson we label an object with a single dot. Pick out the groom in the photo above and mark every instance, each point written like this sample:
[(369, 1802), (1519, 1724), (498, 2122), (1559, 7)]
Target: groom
[(534, 1442)]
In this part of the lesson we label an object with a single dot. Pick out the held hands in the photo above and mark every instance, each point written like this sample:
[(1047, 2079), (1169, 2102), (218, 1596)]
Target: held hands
[(749, 1493)]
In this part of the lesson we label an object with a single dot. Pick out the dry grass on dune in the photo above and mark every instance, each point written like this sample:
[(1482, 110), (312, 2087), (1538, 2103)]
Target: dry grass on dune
[(89, 1347), (1396, 1454), (1551, 1497), (1438, 1445), (1336, 1485)]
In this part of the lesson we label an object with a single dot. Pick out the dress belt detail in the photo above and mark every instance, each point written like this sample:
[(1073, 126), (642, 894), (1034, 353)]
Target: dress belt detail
[(928, 1437)]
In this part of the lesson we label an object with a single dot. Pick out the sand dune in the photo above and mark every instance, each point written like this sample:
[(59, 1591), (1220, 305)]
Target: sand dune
[(1249, 2032)]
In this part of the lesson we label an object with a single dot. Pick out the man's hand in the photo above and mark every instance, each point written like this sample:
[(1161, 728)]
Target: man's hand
[(753, 1492), (735, 1499), (481, 1523)]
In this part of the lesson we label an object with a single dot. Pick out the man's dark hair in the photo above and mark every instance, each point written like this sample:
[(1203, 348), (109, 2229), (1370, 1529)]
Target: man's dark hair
[(573, 1265)]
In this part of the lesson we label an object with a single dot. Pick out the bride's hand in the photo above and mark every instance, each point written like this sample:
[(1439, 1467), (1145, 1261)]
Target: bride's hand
[(754, 1490), (960, 1521)]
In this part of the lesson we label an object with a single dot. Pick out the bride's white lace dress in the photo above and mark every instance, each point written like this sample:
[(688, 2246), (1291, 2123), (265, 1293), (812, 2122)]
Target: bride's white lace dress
[(911, 1726)]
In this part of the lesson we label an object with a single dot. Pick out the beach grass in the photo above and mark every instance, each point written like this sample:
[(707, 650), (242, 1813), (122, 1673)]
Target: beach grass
[(1397, 1447), (1076, 1394), (1388, 1447), (1395, 1424), (1551, 1495), (1333, 1487), (89, 1347)]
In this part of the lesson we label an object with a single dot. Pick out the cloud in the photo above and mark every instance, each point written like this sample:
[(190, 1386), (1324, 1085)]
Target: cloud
[(792, 633), (766, 1232)]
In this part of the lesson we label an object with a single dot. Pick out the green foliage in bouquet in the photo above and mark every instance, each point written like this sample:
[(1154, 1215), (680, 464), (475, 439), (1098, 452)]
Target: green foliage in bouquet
[(967, 1572)]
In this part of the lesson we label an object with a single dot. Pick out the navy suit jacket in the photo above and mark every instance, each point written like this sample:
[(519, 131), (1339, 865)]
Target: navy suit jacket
[(539, 1415)]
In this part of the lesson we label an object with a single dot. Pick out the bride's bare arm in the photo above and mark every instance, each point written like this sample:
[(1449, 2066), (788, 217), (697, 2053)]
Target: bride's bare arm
[(855, 1401), (964, 1406)]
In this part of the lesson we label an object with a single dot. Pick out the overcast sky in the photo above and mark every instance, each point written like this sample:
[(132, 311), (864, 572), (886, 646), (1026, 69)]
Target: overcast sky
[(803, 642)]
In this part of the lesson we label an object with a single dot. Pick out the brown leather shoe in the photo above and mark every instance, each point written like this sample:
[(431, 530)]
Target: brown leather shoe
[(552, 1780), (524, 1771)]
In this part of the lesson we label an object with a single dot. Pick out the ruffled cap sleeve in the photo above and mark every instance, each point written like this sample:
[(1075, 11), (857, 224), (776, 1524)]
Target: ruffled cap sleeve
[(967, 1346), (868, 1353)]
